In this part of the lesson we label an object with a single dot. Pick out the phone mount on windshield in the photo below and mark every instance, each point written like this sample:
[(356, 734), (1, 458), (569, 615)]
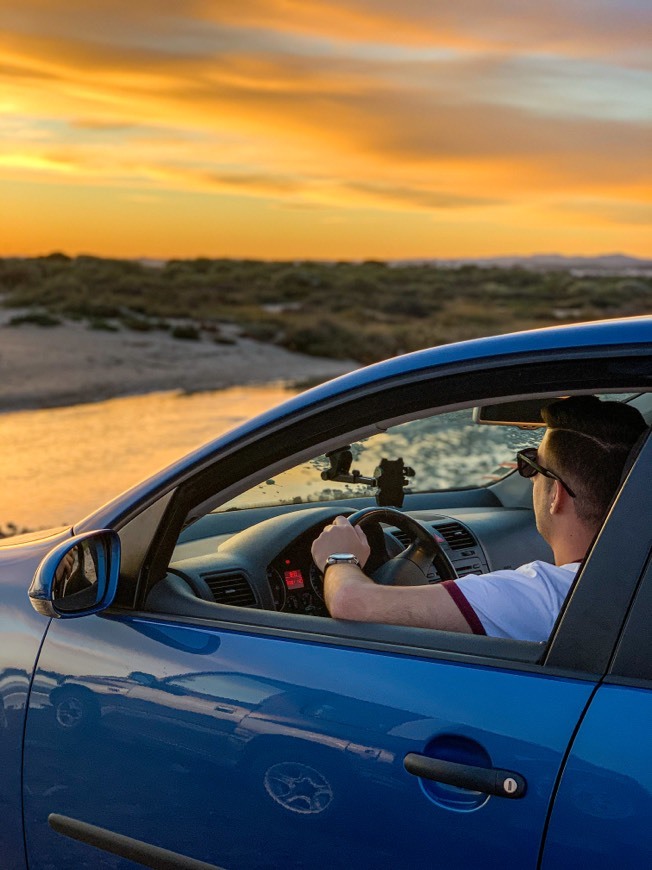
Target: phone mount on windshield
[(391, 476)]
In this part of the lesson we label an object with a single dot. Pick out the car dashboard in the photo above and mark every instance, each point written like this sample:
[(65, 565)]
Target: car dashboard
[(268, 565)]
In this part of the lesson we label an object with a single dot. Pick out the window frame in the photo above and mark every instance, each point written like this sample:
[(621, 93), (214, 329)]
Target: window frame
[(457, 385)]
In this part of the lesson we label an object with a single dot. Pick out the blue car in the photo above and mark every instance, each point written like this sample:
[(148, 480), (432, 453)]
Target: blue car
[(174, 693)]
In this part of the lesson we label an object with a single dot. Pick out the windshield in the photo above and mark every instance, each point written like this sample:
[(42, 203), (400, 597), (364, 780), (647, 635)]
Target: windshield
[(446, 451)]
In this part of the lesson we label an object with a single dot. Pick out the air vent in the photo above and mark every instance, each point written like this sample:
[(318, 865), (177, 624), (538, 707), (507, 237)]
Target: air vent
[(230, 588), (456, 536), (402, 536)]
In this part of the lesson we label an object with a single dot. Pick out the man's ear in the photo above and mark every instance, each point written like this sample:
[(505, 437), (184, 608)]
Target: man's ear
[(558, 496)]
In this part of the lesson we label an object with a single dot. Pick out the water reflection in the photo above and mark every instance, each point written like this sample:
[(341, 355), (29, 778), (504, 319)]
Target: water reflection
[(59, 464)]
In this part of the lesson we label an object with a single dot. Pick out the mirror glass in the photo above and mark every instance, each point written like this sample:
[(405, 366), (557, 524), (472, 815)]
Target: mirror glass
[(81, 576)]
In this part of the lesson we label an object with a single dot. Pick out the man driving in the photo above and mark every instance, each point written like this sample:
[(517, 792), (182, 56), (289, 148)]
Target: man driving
[(575, 473)]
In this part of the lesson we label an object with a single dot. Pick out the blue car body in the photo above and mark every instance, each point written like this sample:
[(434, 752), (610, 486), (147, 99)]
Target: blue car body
[(157, 726)]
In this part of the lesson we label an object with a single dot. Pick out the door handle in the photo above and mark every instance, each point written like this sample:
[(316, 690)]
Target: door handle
[(489, 780)]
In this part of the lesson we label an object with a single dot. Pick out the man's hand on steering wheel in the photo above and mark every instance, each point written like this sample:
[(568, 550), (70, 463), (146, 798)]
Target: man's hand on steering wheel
[(400, 591), (412, 567), (340, 537)]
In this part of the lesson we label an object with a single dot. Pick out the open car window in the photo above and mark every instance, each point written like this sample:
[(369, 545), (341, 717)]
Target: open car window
[(246, 559), (442, 452), (253, 550)]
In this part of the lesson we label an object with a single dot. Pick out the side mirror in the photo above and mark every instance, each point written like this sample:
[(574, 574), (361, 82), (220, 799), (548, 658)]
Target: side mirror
[(78, 577)]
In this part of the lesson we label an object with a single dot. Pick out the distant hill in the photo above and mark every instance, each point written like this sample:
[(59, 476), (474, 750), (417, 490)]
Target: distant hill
[(605, 264)]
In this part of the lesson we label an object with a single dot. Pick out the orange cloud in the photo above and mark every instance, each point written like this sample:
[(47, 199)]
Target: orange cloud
[(419, 113)]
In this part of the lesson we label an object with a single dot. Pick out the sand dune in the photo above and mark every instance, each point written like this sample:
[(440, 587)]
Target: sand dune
[(44, 367)]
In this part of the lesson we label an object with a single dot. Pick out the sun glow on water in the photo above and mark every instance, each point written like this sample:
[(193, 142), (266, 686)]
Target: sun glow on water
[(58, 465)]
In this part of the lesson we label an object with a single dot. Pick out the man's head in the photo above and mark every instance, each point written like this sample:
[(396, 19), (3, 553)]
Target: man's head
[(587, 443)]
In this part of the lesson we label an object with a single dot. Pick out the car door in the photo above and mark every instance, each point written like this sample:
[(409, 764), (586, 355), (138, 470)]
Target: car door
[(293, 756)]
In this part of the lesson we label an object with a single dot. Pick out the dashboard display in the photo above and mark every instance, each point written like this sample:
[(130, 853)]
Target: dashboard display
[(294, 579)]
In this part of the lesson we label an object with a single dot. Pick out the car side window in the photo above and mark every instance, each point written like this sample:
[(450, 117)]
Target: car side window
[(254, 550), (440, 452)]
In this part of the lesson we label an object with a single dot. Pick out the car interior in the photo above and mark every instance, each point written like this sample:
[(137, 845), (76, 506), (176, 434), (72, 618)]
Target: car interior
[(243, 554)]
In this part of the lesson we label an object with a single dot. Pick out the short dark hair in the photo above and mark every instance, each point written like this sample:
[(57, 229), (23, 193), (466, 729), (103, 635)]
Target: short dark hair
[(588, 444)]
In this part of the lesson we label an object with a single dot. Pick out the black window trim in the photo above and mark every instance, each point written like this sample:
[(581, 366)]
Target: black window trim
[(591, 624), (632, 662)]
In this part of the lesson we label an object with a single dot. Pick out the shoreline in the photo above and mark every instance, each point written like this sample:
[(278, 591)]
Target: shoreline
[(71, 364)]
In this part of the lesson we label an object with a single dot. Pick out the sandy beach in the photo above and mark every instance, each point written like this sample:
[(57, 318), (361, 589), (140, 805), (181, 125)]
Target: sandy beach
[(44, 367), (69, 449)]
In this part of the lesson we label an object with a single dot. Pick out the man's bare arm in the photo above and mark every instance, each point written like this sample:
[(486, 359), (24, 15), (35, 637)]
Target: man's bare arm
[(350, 594)]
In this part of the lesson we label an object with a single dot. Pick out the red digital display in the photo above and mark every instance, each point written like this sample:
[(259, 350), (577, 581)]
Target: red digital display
[(294, 579)]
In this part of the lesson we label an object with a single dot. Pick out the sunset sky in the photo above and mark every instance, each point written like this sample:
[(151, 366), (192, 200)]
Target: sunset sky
[(325, 129)]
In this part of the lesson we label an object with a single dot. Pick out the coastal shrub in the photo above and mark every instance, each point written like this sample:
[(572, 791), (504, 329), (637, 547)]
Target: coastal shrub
[(90, 308), (409, 304), (18, 274), (136, 324), (339, 341), (102, 325), (363, 311), (327, 338), (296, 283), (187, 332), (34, 318), (264, 330)]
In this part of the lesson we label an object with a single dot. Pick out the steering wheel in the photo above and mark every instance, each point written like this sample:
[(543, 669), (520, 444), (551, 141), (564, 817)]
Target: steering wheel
[(409, 568)]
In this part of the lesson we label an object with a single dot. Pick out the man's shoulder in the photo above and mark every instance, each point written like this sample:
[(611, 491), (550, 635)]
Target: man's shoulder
[(548, 575), (548, 569), (531, 573), (518, 602)]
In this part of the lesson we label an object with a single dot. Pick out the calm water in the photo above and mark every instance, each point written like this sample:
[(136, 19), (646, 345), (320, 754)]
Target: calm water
[(58, 465)]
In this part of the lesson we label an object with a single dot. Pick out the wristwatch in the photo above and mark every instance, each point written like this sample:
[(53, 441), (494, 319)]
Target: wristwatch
[(341, 559)]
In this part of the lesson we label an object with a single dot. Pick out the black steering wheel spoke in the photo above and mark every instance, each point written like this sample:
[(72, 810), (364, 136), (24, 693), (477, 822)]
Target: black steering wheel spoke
[(419, 555), (378, 545)]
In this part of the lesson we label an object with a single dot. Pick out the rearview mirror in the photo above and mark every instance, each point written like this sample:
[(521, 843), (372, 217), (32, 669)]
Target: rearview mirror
[(524, 413), (78, 577)]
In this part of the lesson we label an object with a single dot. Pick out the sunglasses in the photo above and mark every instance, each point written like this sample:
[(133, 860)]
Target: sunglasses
[(527, 465)]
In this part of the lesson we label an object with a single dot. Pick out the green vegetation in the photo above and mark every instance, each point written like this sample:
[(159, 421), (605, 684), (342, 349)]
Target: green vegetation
[(35, 318), (365, 311), (189, 332)]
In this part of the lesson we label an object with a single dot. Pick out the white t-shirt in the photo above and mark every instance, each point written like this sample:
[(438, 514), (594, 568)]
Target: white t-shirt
[(522, 603)]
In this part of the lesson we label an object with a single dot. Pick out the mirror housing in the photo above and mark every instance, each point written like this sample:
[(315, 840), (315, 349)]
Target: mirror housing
[(78, 577), (524, 413)]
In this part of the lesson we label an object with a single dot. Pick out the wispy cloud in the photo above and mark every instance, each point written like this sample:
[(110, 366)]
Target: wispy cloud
[(442, 110)]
